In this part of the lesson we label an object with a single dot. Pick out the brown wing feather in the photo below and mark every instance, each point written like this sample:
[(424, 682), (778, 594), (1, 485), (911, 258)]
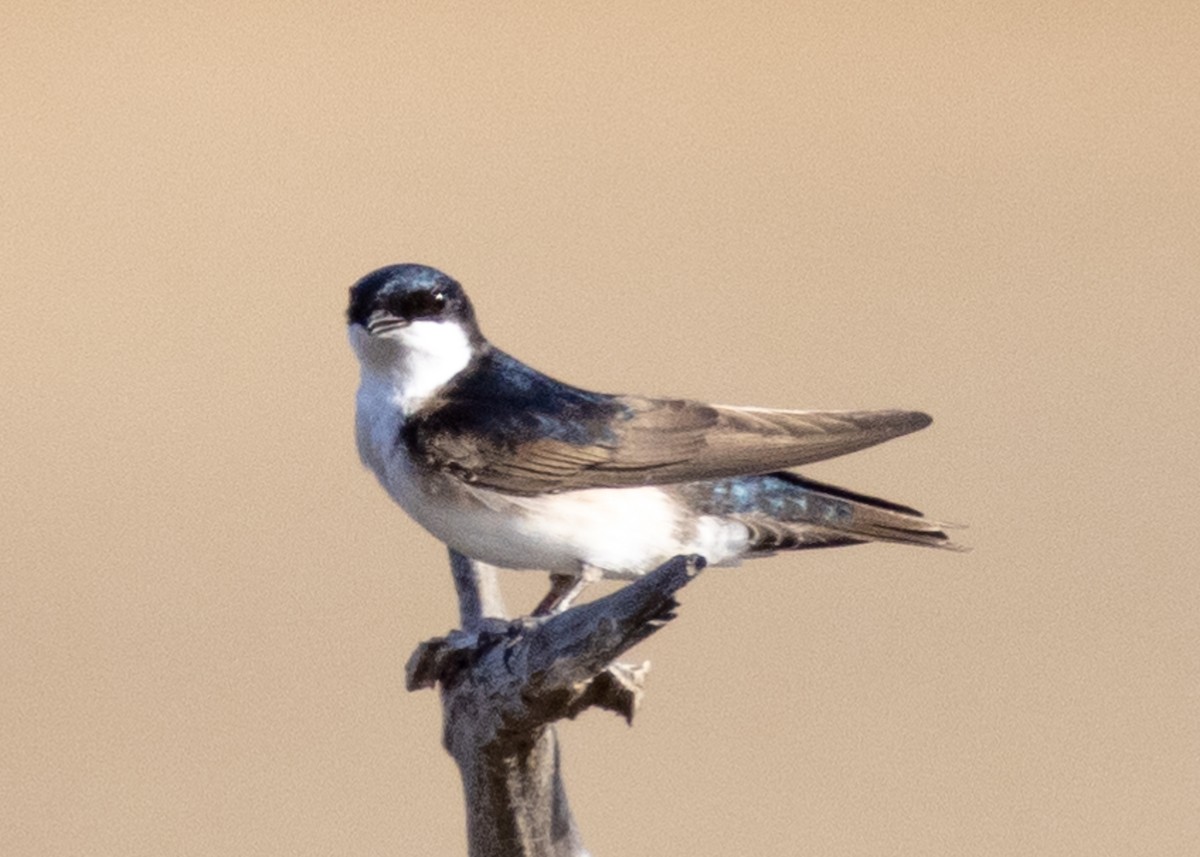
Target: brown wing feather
[(755, 440), (663, 441)]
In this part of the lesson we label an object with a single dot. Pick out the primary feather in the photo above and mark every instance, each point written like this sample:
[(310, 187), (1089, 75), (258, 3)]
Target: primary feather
[(542, 436)]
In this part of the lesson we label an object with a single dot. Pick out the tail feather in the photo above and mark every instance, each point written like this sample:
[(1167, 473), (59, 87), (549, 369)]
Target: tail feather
[(786, 511), (873, 519)]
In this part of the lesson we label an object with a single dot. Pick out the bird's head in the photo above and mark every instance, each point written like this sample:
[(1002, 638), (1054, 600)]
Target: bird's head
[(412, 318)]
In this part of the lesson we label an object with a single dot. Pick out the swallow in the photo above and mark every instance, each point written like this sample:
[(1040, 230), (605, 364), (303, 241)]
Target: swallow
[(513, 468)]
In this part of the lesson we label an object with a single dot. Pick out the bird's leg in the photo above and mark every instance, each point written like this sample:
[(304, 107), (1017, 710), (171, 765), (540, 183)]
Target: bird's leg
[(564, 589), (560, 586)]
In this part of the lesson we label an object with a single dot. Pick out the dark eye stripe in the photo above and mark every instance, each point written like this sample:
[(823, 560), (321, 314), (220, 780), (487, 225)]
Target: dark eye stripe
[(421, 304)]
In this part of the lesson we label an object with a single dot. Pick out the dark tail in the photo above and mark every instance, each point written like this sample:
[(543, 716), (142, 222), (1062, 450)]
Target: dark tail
[(786, 511)]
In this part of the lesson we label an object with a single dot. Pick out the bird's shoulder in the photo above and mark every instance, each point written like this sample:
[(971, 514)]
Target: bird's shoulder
[(504, 425)]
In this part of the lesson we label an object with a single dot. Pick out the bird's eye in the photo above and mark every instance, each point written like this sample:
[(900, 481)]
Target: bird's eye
[(424, 304)]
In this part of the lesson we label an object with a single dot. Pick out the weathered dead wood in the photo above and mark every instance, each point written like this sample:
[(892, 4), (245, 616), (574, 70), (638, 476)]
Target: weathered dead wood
[(504, 683)]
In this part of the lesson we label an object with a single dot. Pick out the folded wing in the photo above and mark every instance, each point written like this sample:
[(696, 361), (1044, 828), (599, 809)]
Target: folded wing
[(622, 441)]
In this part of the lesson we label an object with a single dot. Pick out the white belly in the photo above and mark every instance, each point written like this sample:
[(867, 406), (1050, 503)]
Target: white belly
[(623, 532)]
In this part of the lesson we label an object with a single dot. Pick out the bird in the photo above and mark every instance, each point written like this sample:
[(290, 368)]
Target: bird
[(513, 468)]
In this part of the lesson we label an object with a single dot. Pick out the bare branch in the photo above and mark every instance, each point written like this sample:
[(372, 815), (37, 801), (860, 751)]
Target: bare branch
[(505, 683)]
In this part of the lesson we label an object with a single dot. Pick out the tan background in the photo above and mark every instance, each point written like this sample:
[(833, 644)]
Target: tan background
[(207, 604)]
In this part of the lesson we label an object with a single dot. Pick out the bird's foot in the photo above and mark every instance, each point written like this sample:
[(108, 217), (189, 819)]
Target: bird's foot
[(564, 589)]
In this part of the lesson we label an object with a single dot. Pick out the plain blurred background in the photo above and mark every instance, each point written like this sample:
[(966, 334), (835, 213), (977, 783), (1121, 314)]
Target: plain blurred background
[(990, 213)]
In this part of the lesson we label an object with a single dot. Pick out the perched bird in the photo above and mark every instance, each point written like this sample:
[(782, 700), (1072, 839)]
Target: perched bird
[(513, 468)]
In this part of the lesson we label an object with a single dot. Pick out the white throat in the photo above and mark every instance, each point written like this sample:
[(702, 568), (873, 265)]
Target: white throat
[(415, 361)]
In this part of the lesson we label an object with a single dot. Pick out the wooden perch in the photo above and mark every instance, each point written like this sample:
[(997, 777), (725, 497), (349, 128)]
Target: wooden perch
[(504, 683)]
